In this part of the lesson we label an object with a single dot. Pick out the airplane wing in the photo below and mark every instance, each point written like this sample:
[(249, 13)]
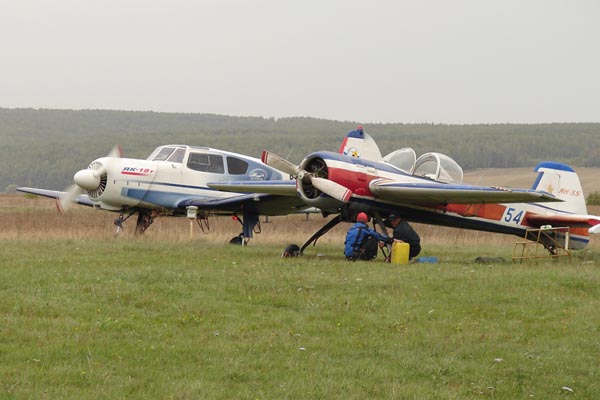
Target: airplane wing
[(259, 203), (431, 193), (282, 188), (408, 193), (82, 199)]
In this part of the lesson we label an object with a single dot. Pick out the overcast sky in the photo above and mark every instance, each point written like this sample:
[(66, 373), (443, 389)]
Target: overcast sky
[(443, 61)]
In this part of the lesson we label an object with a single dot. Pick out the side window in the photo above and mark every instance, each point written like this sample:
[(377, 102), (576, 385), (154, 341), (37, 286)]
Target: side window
[(236, 166), (177, 156), (206, 163)]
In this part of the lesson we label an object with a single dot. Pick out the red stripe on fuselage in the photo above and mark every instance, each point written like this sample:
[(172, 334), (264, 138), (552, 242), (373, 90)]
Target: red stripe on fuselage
[(579, 231), (357, 182), (487, 211)]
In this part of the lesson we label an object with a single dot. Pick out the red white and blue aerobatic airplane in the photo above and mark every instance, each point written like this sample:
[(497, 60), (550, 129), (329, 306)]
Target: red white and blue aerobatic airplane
[(426, 190)]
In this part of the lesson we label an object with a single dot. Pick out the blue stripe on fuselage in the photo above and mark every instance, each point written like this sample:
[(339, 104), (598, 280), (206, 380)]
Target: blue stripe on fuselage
[(160, 198), (171, 184), (329, 155)]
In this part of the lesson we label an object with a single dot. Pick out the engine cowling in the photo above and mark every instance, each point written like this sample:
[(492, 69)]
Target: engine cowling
[(93, 179), (314, 167)]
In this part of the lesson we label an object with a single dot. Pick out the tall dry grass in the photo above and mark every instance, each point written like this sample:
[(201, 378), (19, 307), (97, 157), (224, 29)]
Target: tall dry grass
[(35, 218)]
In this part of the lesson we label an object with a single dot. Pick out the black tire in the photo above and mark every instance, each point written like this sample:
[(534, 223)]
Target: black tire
[(237, 240), (293, 250)]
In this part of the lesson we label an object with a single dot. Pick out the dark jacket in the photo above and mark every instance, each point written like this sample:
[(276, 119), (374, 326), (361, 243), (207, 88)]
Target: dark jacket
[(357, 235), (403, 231)]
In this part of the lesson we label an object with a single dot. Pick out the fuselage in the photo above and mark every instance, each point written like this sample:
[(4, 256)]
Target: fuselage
[(169, 174)]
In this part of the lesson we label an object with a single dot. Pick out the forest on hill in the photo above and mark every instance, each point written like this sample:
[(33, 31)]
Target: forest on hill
[(43, 148)]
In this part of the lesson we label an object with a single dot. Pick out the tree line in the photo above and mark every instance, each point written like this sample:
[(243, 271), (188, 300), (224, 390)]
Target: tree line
[(43, 148)]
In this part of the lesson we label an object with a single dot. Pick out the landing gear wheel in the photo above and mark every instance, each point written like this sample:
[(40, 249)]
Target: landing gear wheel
[(293, 250), (238, 240)]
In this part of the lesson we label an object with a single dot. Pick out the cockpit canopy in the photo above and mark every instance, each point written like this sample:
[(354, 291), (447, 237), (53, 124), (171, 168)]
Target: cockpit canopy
[(403, 158), (436, 166), (204, 159)]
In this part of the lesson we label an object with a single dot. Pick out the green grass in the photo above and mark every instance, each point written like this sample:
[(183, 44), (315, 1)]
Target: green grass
[(153, 320)]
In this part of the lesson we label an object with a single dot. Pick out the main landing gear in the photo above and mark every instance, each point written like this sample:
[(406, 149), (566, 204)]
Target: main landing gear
[(144, 220), (294, 250), (250, 225)]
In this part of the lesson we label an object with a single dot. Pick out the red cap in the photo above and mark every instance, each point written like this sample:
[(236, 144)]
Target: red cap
[(362, 217)]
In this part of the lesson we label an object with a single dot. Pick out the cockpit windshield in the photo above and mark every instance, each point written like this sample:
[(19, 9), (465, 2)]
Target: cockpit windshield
[(161, 153), (177, 156), (438, 167), (174, 154)]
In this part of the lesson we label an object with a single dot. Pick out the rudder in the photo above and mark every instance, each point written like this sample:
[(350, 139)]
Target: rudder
[(360, 144), (563, 182)]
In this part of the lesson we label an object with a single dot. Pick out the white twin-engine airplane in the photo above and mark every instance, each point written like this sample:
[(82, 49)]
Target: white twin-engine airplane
[(172, 181), (426, 190)]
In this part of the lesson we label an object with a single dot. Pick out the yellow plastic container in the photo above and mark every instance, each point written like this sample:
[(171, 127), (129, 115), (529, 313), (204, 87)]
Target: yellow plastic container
[(400, 253)]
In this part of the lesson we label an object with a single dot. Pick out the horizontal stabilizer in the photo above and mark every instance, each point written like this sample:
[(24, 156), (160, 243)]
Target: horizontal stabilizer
[(574, 221)]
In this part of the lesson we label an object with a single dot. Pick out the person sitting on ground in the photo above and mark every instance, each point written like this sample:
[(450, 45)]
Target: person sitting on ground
[(361, 241), (403, 232)]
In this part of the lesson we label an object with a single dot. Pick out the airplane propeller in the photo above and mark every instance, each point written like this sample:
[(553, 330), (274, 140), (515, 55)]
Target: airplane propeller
[(65, 201), (88, 179), (280, 163), (331, 188)]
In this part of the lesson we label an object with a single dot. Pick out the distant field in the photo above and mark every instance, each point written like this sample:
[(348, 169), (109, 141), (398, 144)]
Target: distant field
[(524, 177)]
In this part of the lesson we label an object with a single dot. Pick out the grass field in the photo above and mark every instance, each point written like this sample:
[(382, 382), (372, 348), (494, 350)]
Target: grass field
[(85, 315)]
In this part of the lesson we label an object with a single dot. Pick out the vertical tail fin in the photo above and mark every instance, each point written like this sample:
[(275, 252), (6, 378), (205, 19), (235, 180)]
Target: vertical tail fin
[(360, 144), (563, 182)]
